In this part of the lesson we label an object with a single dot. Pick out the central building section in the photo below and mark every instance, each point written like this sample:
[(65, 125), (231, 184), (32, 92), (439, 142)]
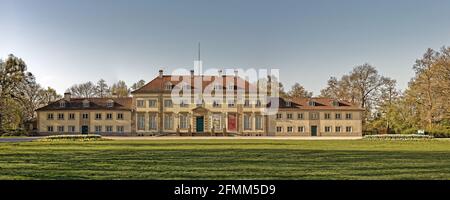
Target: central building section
[(198, 105)]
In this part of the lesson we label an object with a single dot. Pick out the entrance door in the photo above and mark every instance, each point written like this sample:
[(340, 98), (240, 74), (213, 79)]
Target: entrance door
[(313, 130), (200, 124), (232, 122), (84, 129)]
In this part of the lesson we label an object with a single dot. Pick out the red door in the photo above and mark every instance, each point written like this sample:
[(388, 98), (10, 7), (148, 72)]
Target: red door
[(232, 122)]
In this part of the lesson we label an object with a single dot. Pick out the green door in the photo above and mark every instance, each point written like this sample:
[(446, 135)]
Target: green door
[(199, 124), (84, 130), (313, 130)]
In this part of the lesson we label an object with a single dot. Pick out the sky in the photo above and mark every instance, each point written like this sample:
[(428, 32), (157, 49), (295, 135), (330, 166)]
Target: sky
[(65, 42)]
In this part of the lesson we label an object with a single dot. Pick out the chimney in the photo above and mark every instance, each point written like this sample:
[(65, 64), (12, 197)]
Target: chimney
[(236, 73), (192, 73), (161, 72), (67, 96)]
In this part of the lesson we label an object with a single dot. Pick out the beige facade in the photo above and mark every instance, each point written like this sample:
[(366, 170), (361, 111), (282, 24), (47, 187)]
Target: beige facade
[(154, 114), (94, 121), (318, 123), (152, 111)]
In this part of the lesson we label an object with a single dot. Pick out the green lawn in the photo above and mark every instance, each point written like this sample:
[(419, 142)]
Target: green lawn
[(226, 159)]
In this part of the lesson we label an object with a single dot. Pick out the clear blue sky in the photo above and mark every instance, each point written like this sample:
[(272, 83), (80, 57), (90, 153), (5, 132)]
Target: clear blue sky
[(66, 42)]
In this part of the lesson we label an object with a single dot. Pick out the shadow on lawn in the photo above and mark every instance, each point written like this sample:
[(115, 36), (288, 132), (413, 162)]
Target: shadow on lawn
[(224, 164)]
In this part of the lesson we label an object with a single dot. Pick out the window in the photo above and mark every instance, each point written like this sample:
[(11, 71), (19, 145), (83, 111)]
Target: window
[(231, 103), (288, 104), (71, 129), (85, 116), (338, 115), (184, 121), (279, 129), (152, 103), (109, 116), (216, 122), (336, 103), (120, 116), (119, 129), (152, 122), (314, 116), (60, 129), (300, 115), (49, 128), (217, 87), (258, 103), (184, 103), (258, 122), (312, 103), (216, 104), (230, 87), (247, 103), (60, 116), (98, 129), (71, 116), (348, 129), (301, 129), (290, 129), (289, 116), (168, 86), (247, 122), (327, 129), (110, 104), (279, 115), (109, 129), (348, 116), (168, 121), (62, 104), (98, 116), (141, 121), (140, 103), (85, 104), (327, 116), (168, 103), (337, 129), (50, 116)]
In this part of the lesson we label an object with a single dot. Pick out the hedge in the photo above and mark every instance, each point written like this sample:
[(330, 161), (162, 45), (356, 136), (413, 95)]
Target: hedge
[(398, 137), (15, 132), (72, 138), (439, 133)]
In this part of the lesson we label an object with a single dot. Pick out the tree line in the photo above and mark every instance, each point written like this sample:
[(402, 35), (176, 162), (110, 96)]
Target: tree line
[(102, 89), (424, 104)]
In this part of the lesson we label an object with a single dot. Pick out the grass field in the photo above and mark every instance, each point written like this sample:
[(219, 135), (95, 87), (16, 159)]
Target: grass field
[(226, 159)]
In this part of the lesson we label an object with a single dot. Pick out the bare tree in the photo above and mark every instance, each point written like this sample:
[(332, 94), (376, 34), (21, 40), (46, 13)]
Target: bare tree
[(298, 91)]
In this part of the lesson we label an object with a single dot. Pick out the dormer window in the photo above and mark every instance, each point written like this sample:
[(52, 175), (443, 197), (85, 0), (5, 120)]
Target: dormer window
[(312, 103), (85, 104), (168, 86), (186, 87), (288, 104), (62, 104), (217, 87), (230, 87), (110, 103), (336, 103)]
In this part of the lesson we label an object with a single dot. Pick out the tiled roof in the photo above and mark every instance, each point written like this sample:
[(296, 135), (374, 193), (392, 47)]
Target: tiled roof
[(94, 104), (317, 103), (158, 83)]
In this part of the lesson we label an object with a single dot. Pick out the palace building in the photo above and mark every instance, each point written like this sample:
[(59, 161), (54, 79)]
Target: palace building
[(178, 105)]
